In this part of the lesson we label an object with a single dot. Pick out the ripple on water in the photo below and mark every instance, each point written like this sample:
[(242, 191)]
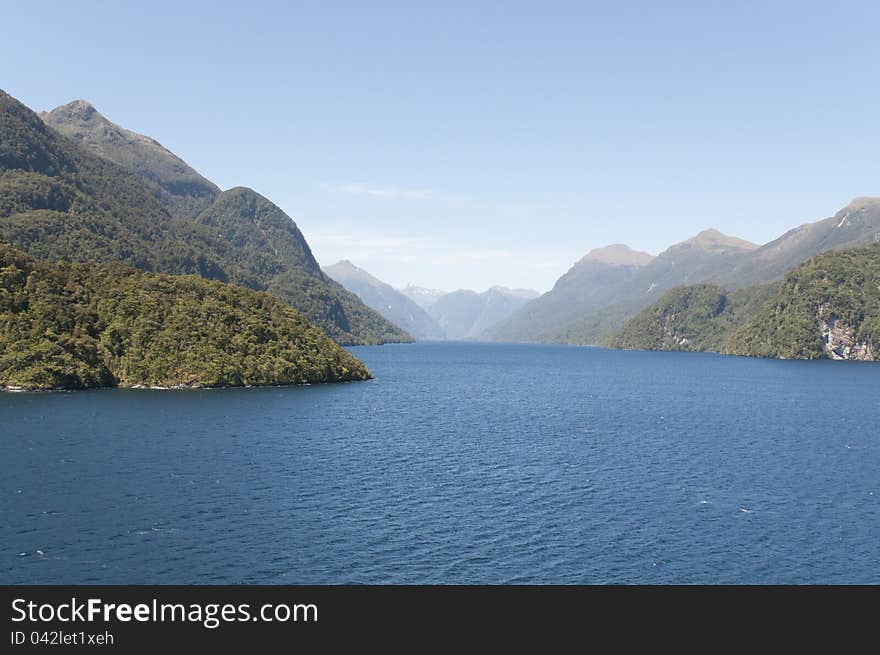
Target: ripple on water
[(459, 463)]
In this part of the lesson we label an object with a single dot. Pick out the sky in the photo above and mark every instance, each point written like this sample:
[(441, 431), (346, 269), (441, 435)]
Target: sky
[(469, 144)]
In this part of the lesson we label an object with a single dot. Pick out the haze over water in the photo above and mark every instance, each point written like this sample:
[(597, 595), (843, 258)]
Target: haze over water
[(459, 463)]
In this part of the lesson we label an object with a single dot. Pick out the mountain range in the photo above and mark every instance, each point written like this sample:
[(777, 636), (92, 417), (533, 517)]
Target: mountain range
[(422, 296), (76, 187), (600, 292), (385, 299), (466, 314), (428, 313)]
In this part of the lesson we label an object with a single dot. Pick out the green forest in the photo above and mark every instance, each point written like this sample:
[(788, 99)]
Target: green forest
[(697, 317), (839, 288), (86, 325), (790, 319)]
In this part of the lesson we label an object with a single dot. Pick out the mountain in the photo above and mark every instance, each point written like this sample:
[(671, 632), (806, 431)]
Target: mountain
[(712, 240), (385, 299), (424, 298), (618, 254), (593, 283), (461, 314), (827, 307), (98, 325), (591, 302), (58, 201), (856, 224), (182, 191), (261, 233), (694, 260), (742, 266), (467, 314)]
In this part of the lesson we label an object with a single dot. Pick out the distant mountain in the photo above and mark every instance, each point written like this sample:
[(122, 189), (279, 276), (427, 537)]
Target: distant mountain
[(826, 307), (593, 283), (424, 298), (74, 326), (714, 241), (525, 294), (856, 224), (618, 254), (385, 299), (590, 302), (458, 315), (58, 201), (695, 260), (468, 315), (738, 268), (182, 191)]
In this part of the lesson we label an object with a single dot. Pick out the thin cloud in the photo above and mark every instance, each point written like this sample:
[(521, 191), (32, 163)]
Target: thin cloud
[(403, 249), (362, 188), (368, 244), (437, 262), (458, 256)]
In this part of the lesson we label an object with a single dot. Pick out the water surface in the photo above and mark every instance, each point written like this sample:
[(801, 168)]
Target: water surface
[(459, 463)]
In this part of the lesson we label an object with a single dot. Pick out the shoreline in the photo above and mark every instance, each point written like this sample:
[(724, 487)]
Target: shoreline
[(182, 387)]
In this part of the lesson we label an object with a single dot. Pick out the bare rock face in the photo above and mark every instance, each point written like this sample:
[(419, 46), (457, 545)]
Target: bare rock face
[(840, 341)]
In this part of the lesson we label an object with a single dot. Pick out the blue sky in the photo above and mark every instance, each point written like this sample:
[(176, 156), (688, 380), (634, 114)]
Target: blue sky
[(469, 144)]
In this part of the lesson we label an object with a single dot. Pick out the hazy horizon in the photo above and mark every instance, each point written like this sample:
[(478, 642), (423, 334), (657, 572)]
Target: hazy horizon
[(464, 146)]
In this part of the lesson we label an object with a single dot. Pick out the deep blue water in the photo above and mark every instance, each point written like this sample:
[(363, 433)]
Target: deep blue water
[(459, 463)]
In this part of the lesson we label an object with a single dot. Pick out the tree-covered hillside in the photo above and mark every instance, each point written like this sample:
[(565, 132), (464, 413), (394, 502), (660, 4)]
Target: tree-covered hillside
[(828, 307), (94, 325), (691, 318), (269, 245), (61, 202)]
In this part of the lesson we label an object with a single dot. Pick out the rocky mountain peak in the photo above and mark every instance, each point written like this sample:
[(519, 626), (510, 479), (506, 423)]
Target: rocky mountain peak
[(618, 254), (861, 202), (78, 109), (713, 239)]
